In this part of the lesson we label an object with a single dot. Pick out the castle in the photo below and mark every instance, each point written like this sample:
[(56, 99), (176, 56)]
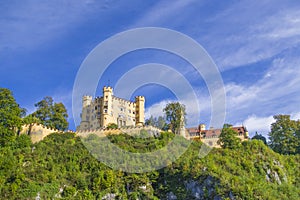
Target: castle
[(102, 111), (98, 113), (211, 136)]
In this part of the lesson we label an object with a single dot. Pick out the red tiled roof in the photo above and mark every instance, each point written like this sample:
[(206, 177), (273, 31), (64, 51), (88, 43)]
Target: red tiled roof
[(214, 132)]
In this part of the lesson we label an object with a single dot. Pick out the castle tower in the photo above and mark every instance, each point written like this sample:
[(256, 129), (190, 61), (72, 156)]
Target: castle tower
[(202, 127), (182, 130), (140, 111), (106, 106), (86, 100)]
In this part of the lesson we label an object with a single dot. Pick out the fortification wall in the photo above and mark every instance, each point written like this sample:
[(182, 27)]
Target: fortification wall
[(154, 131), (38, 132)]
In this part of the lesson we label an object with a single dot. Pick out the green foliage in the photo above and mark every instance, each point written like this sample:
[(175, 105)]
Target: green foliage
[(175, 115), (158, 122), (112, 126), (259, 137), (228, 138), (50, 114), (61, 167), (285, 135), (31, 120), (23, 141), (10, 117)]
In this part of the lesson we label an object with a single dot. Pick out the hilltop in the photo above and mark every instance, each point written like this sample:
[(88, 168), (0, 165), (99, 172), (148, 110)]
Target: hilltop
[(61, 167)]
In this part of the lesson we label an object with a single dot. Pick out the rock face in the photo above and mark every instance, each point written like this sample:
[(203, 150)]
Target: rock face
[(171, 196), (273, 176), (204, 190), (109, 196)]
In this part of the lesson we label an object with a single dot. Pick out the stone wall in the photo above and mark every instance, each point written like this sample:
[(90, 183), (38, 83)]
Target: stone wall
[(38, 132), (128, 130)]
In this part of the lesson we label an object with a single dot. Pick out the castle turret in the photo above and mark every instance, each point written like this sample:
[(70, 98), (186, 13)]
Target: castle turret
[(85, 114), (107, 106), (140, 111), (181, 130), (86, 100), (202, 127)]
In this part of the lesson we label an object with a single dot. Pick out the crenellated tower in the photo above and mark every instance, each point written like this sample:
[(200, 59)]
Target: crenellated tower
[(106, 106), (140, 110)]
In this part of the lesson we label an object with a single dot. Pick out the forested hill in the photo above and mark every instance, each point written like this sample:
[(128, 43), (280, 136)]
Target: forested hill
[(60, 167)]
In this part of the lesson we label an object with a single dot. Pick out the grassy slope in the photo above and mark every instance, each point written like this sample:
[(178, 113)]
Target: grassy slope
[(253, 171)]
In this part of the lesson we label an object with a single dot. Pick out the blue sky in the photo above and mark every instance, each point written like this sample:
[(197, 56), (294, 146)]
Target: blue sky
[(255, 45)]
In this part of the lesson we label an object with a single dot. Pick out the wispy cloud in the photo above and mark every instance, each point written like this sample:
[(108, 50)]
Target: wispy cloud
[(262, 125), (162, 12), (256, 34), (276, 93), (255, 124), (31, 24)]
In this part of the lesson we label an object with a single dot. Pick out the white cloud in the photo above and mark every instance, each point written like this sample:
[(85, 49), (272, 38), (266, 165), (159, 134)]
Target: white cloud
[(194, 116), (276, 93), (162, 12), (260, 125), (156, 109), (295, 116), (257, 31), (31, 24)]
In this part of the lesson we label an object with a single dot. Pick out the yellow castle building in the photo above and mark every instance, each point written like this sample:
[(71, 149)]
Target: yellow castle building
[(101, 111)]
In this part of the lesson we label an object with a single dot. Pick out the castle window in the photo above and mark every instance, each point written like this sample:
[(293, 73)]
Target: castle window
[(106, 97), (129, 111), (210, 143), (133, 112), (121, 109), (95, 107), (105, 110)]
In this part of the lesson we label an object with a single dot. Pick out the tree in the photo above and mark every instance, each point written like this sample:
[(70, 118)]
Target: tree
[(10, 117), (150, 121), (284, 136), (228, 138), (158, 122), (161, 123), (30, 120), (53, 115), (175, 115), (112, 126), (259, 137), (59, 117)]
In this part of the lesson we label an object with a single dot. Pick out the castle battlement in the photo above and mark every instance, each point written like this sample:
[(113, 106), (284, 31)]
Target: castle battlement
[(128, 130), (99, 112)]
